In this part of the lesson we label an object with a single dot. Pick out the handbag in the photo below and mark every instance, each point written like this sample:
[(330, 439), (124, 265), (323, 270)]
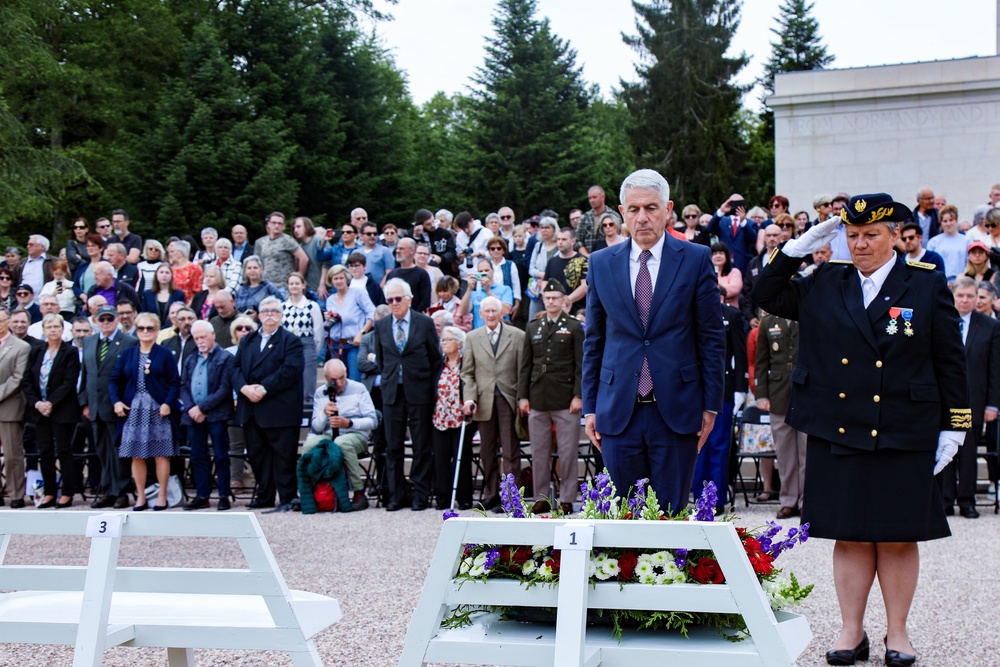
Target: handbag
[(325, 497), (175, 494)]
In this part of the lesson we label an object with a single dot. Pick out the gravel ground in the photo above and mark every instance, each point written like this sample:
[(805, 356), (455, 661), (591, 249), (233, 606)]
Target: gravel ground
[(375, 562)]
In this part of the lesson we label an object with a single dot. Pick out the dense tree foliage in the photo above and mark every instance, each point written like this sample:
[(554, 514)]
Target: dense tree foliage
[(191, 113), (685, 105)]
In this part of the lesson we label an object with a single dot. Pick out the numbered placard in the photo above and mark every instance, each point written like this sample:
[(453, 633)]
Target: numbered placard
[(574, 536), (105, 525)]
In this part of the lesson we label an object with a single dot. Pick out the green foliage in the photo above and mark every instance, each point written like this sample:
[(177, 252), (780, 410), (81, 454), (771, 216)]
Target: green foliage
[(684, 106)]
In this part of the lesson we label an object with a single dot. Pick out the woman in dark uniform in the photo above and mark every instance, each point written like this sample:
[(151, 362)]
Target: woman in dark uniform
[(880, 387)]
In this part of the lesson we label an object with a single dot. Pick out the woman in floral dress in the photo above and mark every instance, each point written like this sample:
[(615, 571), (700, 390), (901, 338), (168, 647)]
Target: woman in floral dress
[(144, 389), (447, 421)]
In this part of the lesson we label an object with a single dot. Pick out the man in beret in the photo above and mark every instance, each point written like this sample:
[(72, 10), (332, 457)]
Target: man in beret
[(549, 395), (880, 388)]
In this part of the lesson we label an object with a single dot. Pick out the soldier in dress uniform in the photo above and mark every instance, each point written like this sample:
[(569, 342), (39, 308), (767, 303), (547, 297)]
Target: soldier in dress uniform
[(549, 394), (880, 387)]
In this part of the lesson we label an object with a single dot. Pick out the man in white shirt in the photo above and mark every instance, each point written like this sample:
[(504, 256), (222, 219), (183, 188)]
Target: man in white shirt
[(49, 305)]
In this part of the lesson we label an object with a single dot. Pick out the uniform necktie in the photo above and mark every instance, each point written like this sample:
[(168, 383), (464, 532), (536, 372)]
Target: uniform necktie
[(868, 288), (643, 299), (400, 335), (103, 352)]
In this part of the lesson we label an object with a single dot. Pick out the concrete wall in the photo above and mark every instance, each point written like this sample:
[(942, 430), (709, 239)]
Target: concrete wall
[(890, 129)]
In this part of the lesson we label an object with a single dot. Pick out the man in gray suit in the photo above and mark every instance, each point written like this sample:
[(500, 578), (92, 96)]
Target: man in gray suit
[(13, 362), (100, 354)]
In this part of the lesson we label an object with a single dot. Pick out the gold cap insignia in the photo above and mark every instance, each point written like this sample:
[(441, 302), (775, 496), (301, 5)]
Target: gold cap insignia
[(860, 205)]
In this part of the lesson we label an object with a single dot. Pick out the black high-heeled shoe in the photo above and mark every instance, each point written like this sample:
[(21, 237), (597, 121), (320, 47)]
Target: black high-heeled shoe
[(62, 506), (897, 658), (46, 505), (848, 656)]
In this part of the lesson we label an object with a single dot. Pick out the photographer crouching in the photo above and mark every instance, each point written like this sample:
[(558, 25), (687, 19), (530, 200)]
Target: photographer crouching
[(343, 411)]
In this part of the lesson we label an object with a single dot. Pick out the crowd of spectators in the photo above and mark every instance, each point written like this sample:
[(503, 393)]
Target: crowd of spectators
[(128, 348)]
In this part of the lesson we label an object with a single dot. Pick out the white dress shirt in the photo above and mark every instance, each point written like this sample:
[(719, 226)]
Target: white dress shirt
[(653, 263)]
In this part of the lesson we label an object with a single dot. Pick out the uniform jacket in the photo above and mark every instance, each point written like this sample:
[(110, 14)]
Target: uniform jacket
[(982, 351), (777, 352), (419, 362), (684, 341), (483, 372), (218, 405), (13, 367), (859, 381), (736, 352), (552, 363), (278, 367), (61, 385), (97, 376)]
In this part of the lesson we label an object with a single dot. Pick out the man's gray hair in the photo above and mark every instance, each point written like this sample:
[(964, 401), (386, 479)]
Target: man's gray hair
[(381, 311), (963, 281), (104, 266), (334, 364), (645, 179), (394, 283), (183, 246), (201, 325), (117, 247), (269, 301), (447, 319), (210, 230), (493, 301), (40, 240), (448, 215)]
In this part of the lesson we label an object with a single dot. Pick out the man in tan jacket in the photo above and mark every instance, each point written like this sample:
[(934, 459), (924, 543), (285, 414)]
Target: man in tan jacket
[(13, 362), (490, 367)]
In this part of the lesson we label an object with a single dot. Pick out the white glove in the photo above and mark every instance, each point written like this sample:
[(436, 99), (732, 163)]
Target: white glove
[(948, 444), (815, 238), (739, 399)]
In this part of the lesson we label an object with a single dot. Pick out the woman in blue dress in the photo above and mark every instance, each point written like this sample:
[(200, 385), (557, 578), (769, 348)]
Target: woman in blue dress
[(144, 389)]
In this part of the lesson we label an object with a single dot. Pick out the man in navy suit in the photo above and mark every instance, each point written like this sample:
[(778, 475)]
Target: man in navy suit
[(267, 377), (408, 356), (731, 225), (653, 371)]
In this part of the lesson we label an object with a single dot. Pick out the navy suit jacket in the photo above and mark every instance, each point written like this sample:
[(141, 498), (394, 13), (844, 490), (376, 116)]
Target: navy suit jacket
[(684, 341), (163, 382), (149, 304), (218, 405), (278, 368), (419, 362), (743, 246)]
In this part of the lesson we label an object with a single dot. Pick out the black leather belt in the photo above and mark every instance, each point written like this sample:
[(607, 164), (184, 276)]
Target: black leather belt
[(648, 398)]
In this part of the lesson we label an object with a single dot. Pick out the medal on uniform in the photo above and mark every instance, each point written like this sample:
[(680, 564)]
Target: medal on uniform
[(892, 328), (775, 347), (907, 316)]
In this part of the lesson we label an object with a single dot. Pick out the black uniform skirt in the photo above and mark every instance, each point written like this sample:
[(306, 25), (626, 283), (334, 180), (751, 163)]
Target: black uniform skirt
[(887, 495)]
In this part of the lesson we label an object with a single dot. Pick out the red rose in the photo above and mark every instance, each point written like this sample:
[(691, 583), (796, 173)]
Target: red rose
[(554, 561), (505, 555), (707, 571), (521, 555), (626, 565)]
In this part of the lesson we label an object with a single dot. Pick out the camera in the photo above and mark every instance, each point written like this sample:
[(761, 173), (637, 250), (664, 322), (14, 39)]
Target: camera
[(481, 275), (330, 391), (468, 257), (335, 319), (735, 204)]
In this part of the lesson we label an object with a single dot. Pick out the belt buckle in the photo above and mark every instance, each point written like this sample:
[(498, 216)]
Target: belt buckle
[(648, 398)]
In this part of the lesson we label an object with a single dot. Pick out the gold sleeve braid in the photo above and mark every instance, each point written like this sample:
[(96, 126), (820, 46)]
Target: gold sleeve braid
[(961, 419)]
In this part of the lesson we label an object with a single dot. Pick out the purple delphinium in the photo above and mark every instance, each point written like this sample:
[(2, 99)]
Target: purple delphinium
[(602, 492), (680, 558), (638, 501), (511, 497), (449, 514), (706, 503), (492, 556), (775, 547)]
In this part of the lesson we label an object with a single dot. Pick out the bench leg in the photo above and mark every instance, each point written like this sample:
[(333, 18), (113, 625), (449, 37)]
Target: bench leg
[(307, 658), (180, 657)]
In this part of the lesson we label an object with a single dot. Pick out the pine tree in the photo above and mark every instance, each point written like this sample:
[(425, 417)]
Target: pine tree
[(527, 107), (685, 106), (798, 47)]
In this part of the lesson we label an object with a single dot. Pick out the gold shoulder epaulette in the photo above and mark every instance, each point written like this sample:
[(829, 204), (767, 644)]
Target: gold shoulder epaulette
[(840, 261), (961, 418), (921, 265)]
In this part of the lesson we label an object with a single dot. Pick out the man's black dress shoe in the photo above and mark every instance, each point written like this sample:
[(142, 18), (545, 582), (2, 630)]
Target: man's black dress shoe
[(949, 510), (491, 503), (392, 506), (897, 658), (464, 505), (103, 500), (259, 504), (122, 501), (418, 505), (787, 513), (223, 504), (17, 504), (197, 503), (969, 512), (848, 656)]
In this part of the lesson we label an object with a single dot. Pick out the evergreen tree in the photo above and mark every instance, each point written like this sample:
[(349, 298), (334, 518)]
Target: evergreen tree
[(528, 106), (798, 48), (685, 105)]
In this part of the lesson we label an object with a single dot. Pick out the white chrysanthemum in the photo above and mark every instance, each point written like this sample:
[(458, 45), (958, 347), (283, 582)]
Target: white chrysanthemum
[(661, 558), (646, 558), (592, 568), (545, 571), (644, 573), (466, 565), (529, 567), (539, 549), (610, 568)]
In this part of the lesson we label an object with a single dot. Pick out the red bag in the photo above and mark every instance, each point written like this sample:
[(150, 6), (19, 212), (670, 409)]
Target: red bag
[(325, 497)]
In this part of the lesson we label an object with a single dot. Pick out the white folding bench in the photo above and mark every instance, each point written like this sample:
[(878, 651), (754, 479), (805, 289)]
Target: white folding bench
[(101, 605), (776, 638)]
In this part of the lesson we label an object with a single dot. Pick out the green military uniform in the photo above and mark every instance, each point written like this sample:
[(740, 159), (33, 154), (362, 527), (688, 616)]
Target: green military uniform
[(551, 369)]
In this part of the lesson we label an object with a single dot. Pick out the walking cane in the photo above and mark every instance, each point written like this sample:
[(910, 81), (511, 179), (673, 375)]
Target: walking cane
[(458, 462)]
